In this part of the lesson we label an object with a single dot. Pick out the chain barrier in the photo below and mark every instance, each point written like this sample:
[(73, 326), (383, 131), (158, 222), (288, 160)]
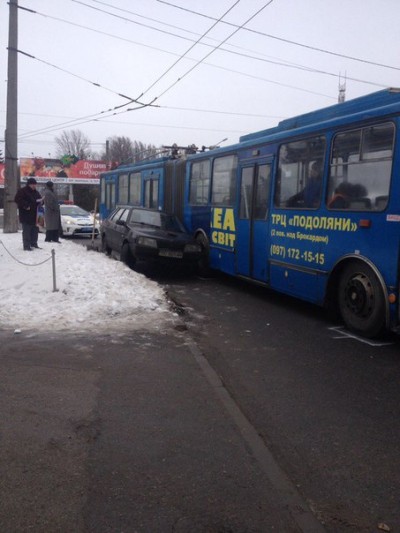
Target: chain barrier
[(21, 262), (52, 258)]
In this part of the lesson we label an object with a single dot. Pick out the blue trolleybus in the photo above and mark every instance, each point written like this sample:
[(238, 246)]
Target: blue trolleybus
[(155, 184), (310, 208)]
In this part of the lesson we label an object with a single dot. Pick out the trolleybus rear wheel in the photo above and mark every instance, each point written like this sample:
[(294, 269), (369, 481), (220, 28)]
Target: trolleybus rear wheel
[(361, 300)]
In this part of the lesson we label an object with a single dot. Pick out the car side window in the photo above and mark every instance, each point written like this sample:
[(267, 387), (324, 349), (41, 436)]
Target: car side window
[(116, 215), (124, 215)]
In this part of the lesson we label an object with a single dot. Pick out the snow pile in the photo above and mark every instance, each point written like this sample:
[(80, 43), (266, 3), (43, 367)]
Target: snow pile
[(94, 293)]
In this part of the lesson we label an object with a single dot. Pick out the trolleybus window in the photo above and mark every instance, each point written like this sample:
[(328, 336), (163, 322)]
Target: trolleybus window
[(200, 183), (300, 173), (110, 195), (361, 167), (224, 180), (134, 188), (151, 193), (123, 189), (261, 192)]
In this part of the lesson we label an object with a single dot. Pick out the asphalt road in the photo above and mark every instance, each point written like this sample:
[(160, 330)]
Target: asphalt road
[(326, 403), (256, 413)]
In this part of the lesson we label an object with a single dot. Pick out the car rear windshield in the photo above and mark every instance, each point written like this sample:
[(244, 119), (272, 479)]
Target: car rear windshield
[(72, 210), (156, 220)]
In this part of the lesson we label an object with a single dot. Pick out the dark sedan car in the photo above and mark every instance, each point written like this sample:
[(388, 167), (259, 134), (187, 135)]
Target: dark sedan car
[(143, 234)]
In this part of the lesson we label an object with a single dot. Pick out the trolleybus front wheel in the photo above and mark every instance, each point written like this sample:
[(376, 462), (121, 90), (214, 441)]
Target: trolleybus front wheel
[(361, 300), (203, 266)]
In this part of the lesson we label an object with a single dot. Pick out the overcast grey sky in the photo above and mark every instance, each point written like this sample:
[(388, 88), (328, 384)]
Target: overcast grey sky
[(145, 49)]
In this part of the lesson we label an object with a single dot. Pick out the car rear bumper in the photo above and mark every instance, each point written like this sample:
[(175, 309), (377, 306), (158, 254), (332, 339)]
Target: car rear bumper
[(85, 230)]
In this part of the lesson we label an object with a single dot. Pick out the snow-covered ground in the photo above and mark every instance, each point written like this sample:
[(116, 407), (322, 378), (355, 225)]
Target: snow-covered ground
[(94, 293)]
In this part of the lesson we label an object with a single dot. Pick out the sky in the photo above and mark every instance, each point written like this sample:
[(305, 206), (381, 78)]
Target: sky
[(92, 290), (189, 72)]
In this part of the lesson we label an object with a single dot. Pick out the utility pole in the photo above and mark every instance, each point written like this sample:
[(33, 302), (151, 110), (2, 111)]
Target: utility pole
[(108, 154), (11, 146)]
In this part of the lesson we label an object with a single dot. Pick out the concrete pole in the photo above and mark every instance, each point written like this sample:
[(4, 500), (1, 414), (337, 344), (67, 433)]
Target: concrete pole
[(11, 182)]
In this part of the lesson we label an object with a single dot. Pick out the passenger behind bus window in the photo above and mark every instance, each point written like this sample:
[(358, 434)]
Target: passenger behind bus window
[(347, 194), (311, 194)]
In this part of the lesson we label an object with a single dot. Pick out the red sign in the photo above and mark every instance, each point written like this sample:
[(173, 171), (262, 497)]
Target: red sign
[(84, 171), (2, 175)]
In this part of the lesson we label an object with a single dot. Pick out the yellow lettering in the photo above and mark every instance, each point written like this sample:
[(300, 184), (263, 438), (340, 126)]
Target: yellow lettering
[(229, 220), (217, 218)]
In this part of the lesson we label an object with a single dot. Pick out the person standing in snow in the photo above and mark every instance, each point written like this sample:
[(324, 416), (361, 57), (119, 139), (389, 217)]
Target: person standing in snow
[(51, 213), (27, 199)]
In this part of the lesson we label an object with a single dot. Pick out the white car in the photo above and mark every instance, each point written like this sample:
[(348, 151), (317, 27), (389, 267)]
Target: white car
[(76, 221)]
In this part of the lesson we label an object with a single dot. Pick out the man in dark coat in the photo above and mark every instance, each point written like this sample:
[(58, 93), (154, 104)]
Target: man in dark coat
[(51, 213), (27, 199)]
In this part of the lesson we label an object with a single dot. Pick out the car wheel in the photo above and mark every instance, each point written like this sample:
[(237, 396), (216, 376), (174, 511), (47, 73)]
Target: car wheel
[(361, 300), (126, 256), (104, 245)]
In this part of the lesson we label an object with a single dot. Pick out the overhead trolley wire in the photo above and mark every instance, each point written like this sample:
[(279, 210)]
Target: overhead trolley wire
[(131, 100), (180, 28), (214, 50), (288, 41), (187, 51), (102, 115), (286, 64)]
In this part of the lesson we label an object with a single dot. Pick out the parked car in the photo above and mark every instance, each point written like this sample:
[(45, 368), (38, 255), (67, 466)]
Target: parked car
[(140, 234), (76, 221)]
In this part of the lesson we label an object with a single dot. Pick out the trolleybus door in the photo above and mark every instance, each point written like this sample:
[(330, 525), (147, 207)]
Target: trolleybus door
[(253, 221)]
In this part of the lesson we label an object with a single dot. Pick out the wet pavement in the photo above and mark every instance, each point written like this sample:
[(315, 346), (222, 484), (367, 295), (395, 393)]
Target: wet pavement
[(134, 432)]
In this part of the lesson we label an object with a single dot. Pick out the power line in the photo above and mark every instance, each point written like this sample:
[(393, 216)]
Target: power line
[(188, 50), (131, 100), (288, 41), (105, 114), (214, 49), (286, 64), (278, 63), (180, 28)]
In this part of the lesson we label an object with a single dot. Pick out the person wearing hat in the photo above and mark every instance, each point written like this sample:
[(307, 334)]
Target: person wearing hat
[(27, 199), (51, 213)]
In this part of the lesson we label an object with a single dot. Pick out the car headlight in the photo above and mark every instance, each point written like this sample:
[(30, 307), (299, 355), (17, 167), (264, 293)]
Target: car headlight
[(147, 241), (192, 248)]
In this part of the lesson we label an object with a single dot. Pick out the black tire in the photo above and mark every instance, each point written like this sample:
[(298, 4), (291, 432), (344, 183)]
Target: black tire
[(203, 264), (361, 300), (126, 255), (104, 245)]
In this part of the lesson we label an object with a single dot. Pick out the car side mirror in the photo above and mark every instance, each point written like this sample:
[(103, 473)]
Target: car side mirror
[(121, 223)]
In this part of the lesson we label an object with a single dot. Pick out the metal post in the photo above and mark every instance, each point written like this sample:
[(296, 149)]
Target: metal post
[(53, 262), (94, 221)]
